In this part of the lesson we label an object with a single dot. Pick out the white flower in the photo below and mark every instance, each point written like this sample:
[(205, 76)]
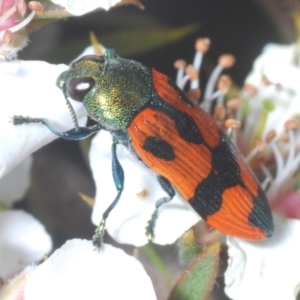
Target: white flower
[(271, 95), (79, 7), (23, 240), (275, 94), (128, 220), (14, 185), (271, 98), (265, 270), (77, 271), (29, 89), (13, 19)]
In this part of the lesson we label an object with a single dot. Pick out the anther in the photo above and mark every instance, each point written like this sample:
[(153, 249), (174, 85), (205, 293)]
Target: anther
[(219, 112), (36, 6), (180, 64), (224, 84), (250, 89), (202, 45), (226, 60), (234, 103), (232, 123), (292, 124), (270, 136), (194, 95)]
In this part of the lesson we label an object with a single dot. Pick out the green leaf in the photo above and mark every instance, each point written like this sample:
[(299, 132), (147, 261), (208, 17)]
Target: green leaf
[(188, 249), (51, 11), (125, 38), (199, 277), (129, 41)]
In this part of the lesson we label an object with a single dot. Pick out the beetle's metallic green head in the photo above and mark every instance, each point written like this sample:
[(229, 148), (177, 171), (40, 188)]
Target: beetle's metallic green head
[(112, 89)]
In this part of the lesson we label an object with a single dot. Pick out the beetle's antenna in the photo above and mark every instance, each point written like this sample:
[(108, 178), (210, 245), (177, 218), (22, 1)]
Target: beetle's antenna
[(71, 109)]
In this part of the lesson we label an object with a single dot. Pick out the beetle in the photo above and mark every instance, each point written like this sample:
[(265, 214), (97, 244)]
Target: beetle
[(146, 112)]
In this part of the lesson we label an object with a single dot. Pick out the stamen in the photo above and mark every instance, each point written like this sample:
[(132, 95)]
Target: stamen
[(212, 82), (259, 147), (284, 137), (250, 89), (193, 76), (291, 125), (270, 136), (221, 98), (268, 179), (181, 78), (202, 46), (232, 125), (8, 37), (36, 6), (219, 112), (278, 158), (21, 24), (225, 61), (194, 95), (265, 80), (284, 171), (224, 84), (214, 96), (180, 64), (278, 87), (234, 103)]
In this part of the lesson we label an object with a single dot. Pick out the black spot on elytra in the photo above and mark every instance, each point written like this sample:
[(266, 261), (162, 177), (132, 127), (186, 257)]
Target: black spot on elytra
[(159, 148), (185, 125), (224, 174), (187, 128)]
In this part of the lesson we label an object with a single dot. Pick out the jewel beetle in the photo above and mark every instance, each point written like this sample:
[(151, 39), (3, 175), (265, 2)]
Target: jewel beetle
[(147, 113)]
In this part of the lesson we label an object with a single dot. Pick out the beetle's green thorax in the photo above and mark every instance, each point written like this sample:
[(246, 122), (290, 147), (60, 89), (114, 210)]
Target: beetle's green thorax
[(116, 88)]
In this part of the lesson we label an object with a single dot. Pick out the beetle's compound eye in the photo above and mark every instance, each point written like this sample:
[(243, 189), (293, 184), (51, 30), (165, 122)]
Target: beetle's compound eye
[(77, 88)]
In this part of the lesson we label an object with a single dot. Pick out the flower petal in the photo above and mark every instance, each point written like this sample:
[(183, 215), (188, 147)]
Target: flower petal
[(128, 220), (14, 185), (79, 7), (30, 90), (277, 64), (265, 270), (289, 205), (23, 240), (75, 271)]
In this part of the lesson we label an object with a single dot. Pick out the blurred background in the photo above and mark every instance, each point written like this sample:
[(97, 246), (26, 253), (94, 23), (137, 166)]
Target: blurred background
[(163, 32)]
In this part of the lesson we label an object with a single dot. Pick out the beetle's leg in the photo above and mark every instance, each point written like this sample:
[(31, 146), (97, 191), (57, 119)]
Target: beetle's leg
[(118, 175), (167, 186), (77, 133)]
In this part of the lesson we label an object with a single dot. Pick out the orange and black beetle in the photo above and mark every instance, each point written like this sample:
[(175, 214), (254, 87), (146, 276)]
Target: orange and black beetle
[(145, 111)]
